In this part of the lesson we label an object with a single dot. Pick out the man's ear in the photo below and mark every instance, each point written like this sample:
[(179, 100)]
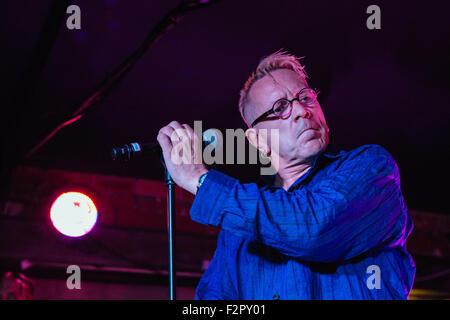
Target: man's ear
[(252, 137)]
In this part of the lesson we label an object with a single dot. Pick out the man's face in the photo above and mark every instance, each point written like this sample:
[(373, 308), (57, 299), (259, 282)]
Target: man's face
[(295, 144)]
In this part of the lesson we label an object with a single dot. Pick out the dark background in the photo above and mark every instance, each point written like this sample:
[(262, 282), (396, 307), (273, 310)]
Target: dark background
[(388, 86)]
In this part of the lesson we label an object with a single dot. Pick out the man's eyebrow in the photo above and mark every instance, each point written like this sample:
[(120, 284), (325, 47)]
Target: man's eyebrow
[(298, 91)]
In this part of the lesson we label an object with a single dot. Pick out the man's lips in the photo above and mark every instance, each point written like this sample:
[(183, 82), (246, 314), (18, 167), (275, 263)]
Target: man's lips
[(306, 129)]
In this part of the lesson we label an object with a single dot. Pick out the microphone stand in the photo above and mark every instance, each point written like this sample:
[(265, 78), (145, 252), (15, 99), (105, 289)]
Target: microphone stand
[(168, 22), (171, 230)]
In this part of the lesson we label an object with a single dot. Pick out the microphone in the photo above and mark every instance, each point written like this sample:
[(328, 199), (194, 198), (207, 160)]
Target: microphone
[(134, 150)]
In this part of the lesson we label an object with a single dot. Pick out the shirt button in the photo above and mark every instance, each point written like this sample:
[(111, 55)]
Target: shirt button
[(276, 296)]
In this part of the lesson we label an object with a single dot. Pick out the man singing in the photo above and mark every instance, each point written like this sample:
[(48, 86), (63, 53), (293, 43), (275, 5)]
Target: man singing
[(325, 226)]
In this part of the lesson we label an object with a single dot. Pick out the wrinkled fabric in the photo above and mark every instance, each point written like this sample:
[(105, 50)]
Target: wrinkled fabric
[(339, 232)]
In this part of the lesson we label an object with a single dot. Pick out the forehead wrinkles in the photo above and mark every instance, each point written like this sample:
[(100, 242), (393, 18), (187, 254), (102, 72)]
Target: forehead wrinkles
[(267, 89), (278, 84)]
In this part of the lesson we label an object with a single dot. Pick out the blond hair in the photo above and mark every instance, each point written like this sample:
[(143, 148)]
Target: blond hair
[(277, 60)]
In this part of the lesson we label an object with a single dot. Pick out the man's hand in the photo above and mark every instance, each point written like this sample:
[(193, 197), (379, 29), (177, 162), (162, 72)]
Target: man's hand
[(182, 152)]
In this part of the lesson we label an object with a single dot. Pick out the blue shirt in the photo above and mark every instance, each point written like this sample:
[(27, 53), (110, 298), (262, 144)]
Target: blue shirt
[(339, 232)]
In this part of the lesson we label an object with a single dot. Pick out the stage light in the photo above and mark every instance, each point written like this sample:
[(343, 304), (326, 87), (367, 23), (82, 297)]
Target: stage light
[(73, 214)]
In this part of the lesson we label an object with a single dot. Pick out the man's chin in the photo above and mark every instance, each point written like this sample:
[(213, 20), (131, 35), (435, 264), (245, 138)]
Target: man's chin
[(313, 148)]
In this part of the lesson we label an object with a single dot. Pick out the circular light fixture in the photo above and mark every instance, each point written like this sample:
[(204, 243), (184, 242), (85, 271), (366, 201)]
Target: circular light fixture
[(73, 214)]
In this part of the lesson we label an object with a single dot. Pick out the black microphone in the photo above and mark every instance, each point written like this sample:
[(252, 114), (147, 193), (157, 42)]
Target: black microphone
[(136, 149)]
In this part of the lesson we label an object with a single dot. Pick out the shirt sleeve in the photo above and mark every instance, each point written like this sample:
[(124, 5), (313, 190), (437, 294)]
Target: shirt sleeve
[(353, 208)]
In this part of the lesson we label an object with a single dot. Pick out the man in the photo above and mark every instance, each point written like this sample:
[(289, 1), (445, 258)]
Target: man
[(323, 227)]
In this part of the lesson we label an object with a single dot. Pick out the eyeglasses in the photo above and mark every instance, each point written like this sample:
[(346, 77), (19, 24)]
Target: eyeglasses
[(282, 108)]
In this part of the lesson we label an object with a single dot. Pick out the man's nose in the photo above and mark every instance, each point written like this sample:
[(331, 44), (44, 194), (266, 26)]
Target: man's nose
[(300, 111)]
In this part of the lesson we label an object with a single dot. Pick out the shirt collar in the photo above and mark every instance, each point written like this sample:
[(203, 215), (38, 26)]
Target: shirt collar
[(268, 181)]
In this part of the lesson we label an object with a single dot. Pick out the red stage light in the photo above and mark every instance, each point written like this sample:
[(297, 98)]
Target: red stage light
[(73, 214)]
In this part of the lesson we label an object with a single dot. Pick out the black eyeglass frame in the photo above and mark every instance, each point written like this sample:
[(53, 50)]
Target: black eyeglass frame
[(272, 110)]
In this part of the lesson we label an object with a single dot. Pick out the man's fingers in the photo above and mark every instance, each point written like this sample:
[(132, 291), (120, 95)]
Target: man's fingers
[(183, 141), (164, 139), (189, 130), (180, 131), (170, 133), (194, 139), (175, 124)]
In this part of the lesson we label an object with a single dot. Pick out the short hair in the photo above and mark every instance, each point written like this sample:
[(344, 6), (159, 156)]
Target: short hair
[(277, 60)]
